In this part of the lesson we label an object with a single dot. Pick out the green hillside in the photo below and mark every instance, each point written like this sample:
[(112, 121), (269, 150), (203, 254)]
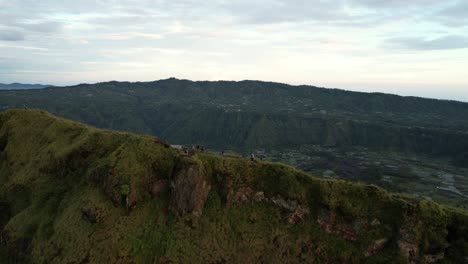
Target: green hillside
[(70, 193), (251, 114)]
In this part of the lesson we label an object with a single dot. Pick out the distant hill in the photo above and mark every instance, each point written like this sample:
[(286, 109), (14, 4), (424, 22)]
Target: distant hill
[(21, 86), (70, 193), (252, 114)]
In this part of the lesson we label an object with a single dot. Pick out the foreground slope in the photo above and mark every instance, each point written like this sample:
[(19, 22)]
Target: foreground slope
[(75, 194)]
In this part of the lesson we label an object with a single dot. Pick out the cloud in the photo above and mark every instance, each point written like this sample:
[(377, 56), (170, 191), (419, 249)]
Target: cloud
[(395, 3), (442, 43), (129, 35), (11, 35), (331, 13), (44, 26), (23, 47), (454, 15)]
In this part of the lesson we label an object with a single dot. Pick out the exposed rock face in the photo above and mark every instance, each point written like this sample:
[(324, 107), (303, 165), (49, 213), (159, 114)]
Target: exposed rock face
[(408, 247), (226, 190), (296, 212), (90, 212), (243, 195), (190, 189), (375, 247), (433, 258), (409, 250), (109, 181), (158, 187), (132, 197), (298, 215), (289, 205), (375, 222), (259, 197), (348, 231)]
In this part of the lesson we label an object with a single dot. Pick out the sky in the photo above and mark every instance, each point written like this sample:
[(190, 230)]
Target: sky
[(407, 47)]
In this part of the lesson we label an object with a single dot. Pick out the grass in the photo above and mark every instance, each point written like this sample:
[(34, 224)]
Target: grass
[(50, 167)]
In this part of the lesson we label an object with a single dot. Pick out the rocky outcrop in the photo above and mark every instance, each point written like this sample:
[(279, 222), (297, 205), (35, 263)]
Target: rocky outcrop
[(259, 197), (289, 205), (427, 259), (109, 181), (348, 231), (409, 250), (375, 247), (90, 212), (132, 197), (298, 215), (190, 188), (241, 196), (158, 187)]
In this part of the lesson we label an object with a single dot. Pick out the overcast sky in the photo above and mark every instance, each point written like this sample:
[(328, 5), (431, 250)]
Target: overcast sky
[(408, 47)]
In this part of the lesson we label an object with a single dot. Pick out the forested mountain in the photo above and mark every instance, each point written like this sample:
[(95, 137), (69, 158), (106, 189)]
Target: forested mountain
[(21, 86), (70, 193), (253, 114)]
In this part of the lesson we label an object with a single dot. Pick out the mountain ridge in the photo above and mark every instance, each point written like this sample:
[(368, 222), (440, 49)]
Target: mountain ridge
[(63, 186), (22, 86), (210, 111), (311, 86)]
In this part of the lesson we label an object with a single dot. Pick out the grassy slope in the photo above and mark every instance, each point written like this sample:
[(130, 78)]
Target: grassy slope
[(53, 170)]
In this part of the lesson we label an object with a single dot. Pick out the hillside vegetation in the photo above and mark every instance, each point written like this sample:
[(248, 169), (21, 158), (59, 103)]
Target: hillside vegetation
[(70, 193), (251, 114)]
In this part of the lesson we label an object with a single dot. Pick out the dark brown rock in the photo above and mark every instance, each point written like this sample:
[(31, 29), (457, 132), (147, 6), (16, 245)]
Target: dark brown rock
[(288, 205), (375, 222), (243, 195), (408, 247), (298, 215), (159, 186), (109, 181), (90, 212), (190, 188), (259, 197), (427, 259), (409, 250), (132, 197), (328, 222), (375, 247), (226, 190)]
